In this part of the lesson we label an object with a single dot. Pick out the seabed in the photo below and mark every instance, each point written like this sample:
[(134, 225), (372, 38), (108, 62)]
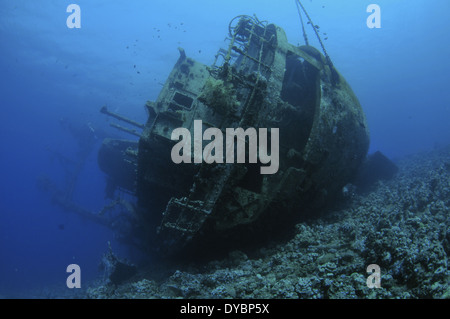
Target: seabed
[(402, 225)]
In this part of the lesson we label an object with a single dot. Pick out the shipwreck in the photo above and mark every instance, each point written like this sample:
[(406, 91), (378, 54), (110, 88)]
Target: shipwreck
[(259, 81)]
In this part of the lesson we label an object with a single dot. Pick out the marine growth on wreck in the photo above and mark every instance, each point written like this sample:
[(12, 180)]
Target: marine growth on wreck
[(259, 81)]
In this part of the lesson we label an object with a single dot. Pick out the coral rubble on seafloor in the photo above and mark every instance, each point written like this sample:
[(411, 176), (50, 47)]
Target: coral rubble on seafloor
[(402, 225)]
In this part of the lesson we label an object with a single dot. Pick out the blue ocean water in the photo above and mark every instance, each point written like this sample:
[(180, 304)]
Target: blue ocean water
[(54, 80)]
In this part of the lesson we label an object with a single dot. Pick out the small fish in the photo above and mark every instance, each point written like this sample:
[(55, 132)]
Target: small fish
[(61, 226)]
